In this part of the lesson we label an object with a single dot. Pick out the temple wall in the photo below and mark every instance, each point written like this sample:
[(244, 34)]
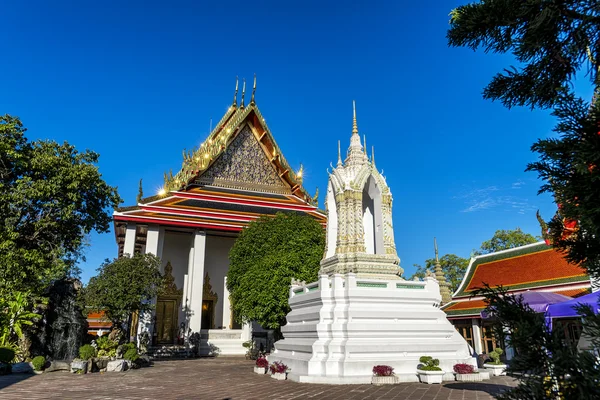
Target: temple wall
[(217, 265), (176, 250)]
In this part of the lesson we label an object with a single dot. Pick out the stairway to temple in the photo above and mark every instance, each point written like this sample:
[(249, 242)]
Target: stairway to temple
[(168, 352)]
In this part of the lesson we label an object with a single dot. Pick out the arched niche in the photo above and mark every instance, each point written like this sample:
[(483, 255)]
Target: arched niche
[(372, 217), (332, 221)]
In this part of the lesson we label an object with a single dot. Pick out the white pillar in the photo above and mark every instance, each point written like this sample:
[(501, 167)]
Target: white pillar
[(129, 246), (226, 306), (477, 336), (197, 281)]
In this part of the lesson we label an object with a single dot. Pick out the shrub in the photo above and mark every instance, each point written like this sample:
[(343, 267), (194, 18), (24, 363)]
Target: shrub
[(107, 353), (131, 355), (429, 364), (128, 346), (278, 368), (39, 363), (87, 351), (262, 362), (383, 370), (464, 369), (495, 356), (105, 343), (6, 354)]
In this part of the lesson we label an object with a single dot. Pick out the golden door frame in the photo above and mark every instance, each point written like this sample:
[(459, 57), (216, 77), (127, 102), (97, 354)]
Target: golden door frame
[(169, 292)]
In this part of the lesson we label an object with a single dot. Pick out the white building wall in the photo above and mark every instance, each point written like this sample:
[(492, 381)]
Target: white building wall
[(176, 249), (217, 265)]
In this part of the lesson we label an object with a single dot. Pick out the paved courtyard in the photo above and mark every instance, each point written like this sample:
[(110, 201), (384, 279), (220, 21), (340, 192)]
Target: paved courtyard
[(221, 378)]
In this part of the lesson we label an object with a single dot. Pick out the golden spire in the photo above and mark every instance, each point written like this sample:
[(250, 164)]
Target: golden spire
[(243, 93), (253, 91), (441, 278), (356, 153), (339, 164), (236, 91)]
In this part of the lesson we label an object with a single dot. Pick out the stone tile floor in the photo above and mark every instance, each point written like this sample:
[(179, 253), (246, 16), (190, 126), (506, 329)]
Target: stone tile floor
[(222, 378)]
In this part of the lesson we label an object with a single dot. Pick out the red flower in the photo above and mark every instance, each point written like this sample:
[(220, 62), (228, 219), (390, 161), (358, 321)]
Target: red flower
[(383, 370), (464, 369)]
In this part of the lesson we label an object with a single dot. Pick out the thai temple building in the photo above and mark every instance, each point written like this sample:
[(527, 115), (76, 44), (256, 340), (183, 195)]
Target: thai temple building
[(361, 312), (237, 175), (522, 270)]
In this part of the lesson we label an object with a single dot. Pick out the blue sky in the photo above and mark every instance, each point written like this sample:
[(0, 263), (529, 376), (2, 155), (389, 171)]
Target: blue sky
[(138, 82)]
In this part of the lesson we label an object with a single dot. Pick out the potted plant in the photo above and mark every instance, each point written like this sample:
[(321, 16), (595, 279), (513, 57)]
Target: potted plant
[(278, 370), (429, 370), (39, 364), (383, 375), (496, 367), (467, 373), (261, 365)]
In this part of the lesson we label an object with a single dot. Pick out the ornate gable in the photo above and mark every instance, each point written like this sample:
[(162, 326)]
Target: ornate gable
[(244, 165)]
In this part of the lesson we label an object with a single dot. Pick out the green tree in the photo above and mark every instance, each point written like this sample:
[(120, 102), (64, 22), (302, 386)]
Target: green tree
[(265, 257), (504, 240), (123, 286), (547, 368), (554, 41), (51, 197), (453, 266)]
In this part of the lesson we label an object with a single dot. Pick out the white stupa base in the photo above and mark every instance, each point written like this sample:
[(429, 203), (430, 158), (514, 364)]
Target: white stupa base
[(340, 327)]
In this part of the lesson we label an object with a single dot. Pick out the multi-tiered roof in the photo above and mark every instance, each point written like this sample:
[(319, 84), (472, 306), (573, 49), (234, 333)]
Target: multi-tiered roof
[(533, 267), (236, 175)]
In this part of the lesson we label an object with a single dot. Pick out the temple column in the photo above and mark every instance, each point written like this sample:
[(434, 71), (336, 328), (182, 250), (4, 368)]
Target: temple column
[(129, 246), (196, 277), (476, 336), (226, 306)]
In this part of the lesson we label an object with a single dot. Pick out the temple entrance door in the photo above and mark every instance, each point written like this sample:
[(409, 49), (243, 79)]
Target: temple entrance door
[(208, 310), (166, 321)]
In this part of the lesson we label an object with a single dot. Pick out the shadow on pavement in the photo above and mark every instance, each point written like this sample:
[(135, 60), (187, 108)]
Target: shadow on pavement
[(11, 379), (490, 388)]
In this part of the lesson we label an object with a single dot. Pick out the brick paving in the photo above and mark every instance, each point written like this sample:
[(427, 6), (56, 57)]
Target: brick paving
[(222, 378)]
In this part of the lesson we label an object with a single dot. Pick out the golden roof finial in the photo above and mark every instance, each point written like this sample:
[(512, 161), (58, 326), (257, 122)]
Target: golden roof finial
[(243, 93), (365, 144), (437, 259), (339, 164), (354, 124), (253, 91), (236, 91)]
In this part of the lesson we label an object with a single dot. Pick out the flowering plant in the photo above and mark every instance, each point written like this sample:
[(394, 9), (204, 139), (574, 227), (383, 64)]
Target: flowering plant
[(383, 370), (278, 368), (464, 369), (262, 362)]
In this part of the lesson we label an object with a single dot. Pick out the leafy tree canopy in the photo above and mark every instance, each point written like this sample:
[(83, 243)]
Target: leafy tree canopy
[(124, 285), (453, 266), (51, 197), (504, 240), (266, 256), (554, 41)]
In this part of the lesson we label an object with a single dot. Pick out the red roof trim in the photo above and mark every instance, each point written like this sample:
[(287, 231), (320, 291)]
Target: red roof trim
[(151, 220)]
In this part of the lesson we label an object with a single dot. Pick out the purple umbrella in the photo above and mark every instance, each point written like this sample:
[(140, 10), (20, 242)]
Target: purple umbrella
[(540, 301), (566, 309)]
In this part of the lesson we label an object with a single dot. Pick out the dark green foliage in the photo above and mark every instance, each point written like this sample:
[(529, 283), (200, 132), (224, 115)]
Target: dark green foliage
[(266, 256), (544, 363), (123, 285), (51, 198), (504, 240), (495, 355), (453, 266), (131, 355), (129, 346), (553, 41), (6, 354), (429, 364), (87, 351), (39, 363)]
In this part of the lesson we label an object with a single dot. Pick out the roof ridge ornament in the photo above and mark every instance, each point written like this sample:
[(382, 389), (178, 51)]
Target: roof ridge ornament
[(440, 277), (339, 163), (243, 93), (253, 91), (234, 105)]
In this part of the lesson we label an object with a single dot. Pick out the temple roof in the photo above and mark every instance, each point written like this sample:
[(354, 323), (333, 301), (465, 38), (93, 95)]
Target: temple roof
[(236, 175), (533, 267)]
